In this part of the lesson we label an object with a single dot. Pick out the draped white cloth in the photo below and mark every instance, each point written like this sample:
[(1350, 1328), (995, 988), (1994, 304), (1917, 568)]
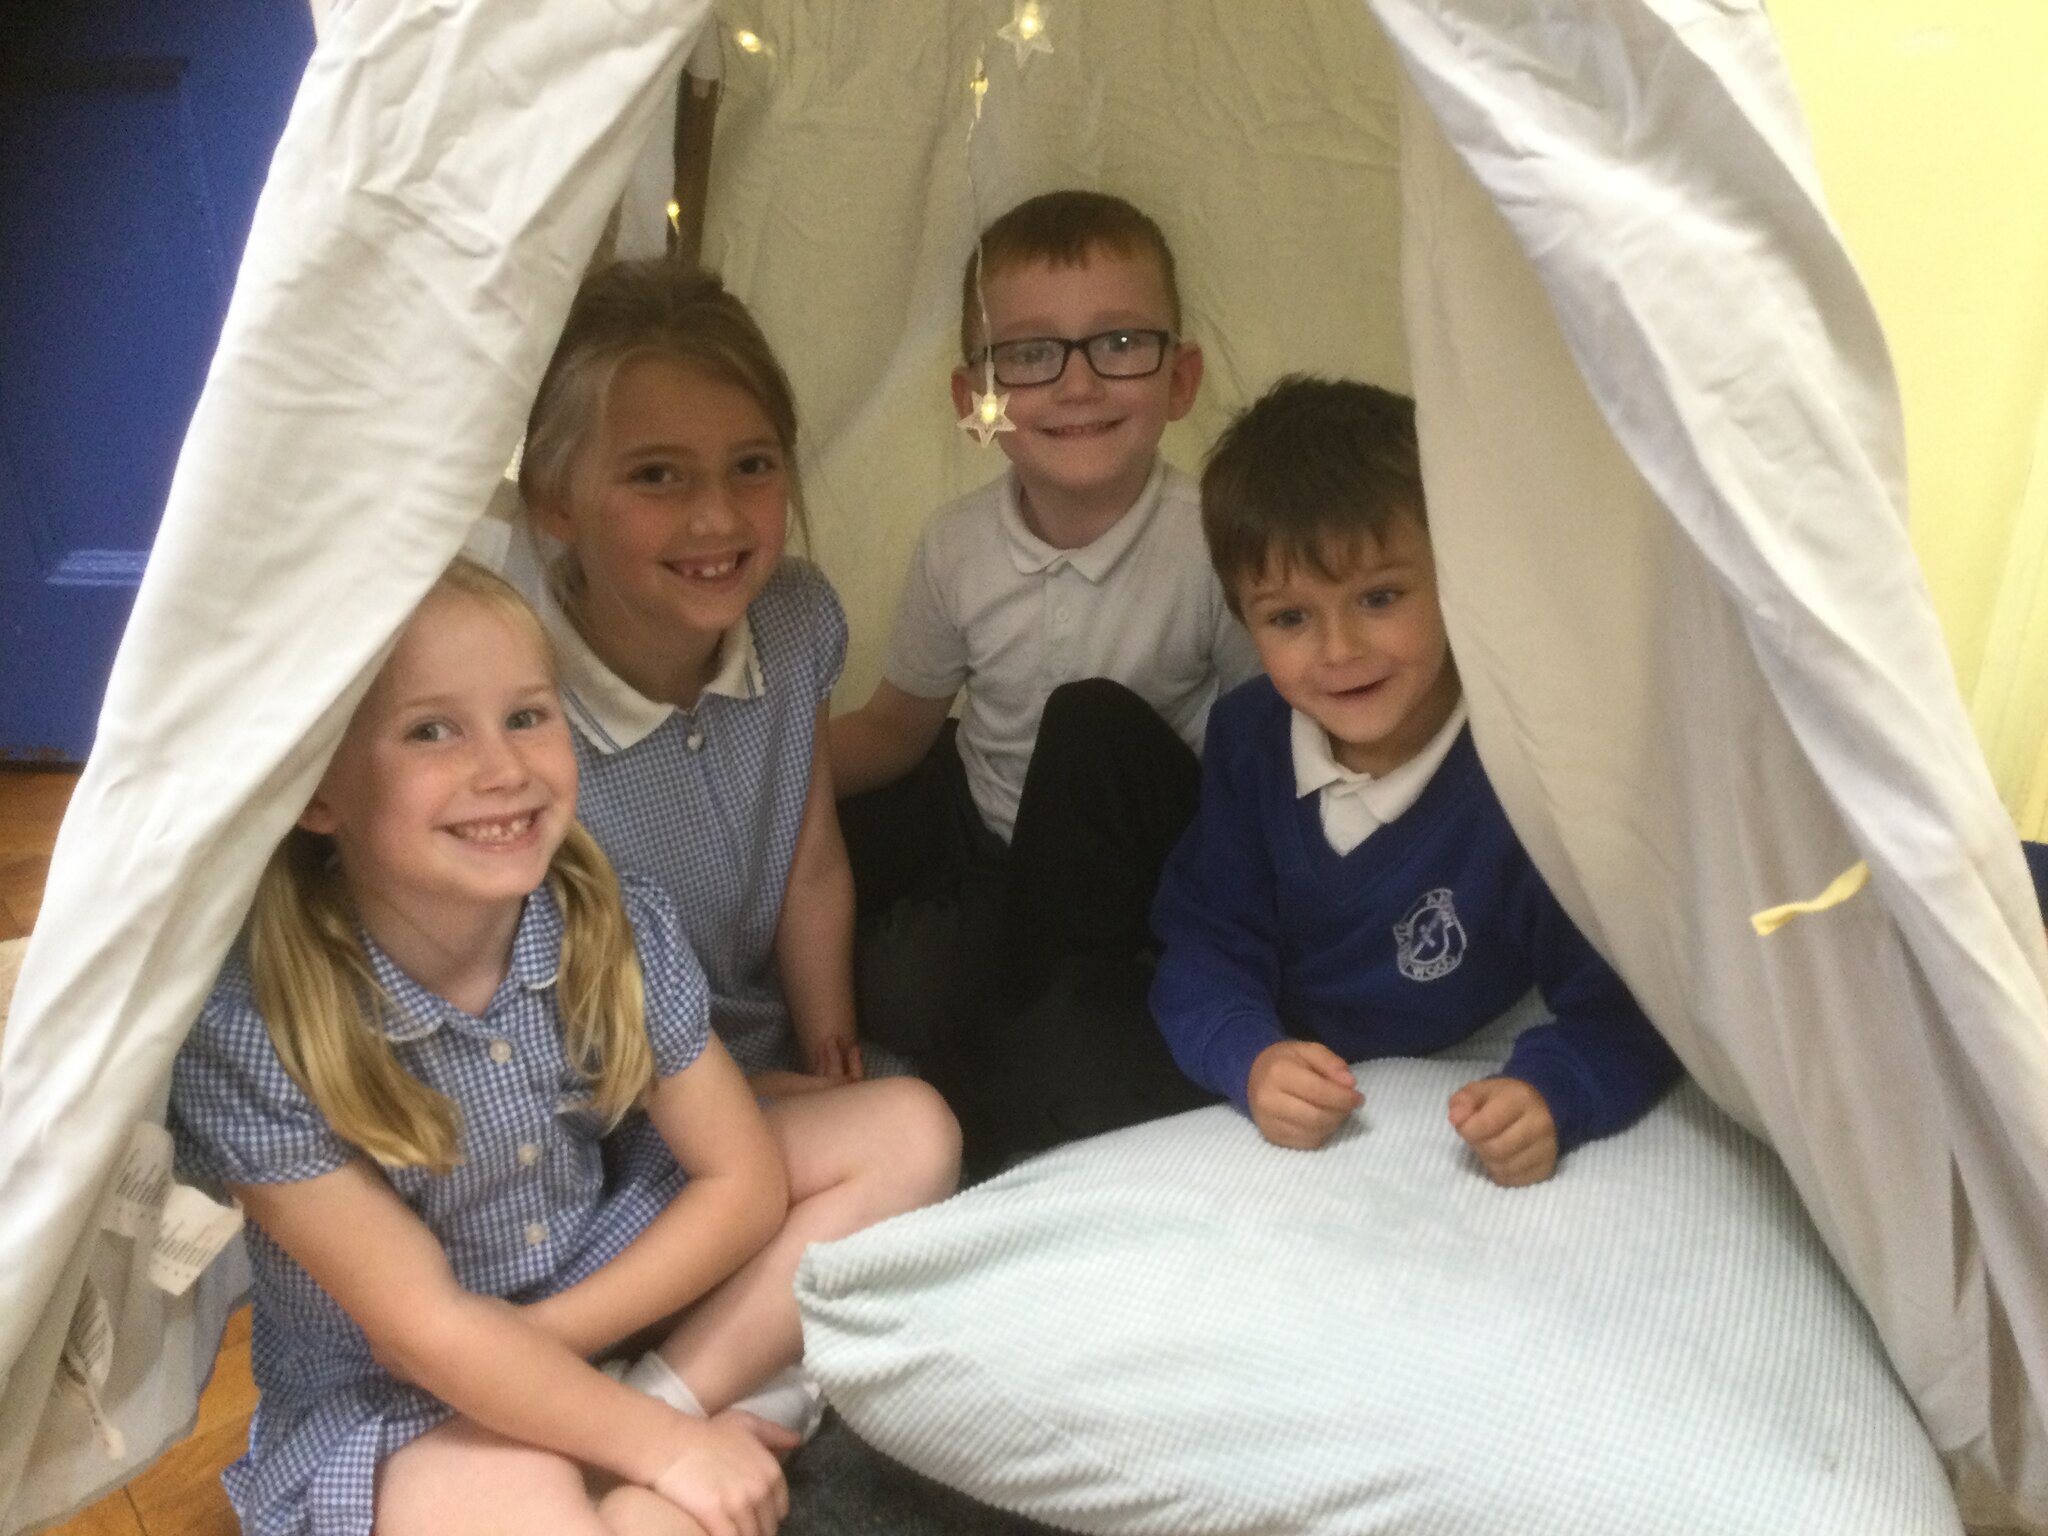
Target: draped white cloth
[(445, 172), (1662, 443)]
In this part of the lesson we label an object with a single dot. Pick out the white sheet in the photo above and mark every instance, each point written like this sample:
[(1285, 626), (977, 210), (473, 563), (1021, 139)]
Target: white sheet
[(1695, 714), (443, 176)]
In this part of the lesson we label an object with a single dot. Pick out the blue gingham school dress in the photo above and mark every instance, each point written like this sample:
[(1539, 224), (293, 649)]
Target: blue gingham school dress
[(709, 803), (526, 1212)]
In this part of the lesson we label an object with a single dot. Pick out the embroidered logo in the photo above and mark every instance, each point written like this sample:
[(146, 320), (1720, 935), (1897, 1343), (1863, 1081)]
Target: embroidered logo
[(1430, 939)]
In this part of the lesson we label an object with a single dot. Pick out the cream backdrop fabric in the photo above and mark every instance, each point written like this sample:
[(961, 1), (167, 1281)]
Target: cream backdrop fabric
[(1690, 715), (1262, 138)]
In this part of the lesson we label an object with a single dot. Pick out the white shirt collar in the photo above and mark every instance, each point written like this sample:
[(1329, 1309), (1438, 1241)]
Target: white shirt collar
[(1031, 554), (610, 712), (1385, 797)]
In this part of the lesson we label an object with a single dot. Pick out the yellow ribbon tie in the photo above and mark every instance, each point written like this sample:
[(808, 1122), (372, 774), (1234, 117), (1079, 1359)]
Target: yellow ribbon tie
[(1844, 885)]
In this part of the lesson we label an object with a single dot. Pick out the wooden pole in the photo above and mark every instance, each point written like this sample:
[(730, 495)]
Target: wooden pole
[(696, 118)]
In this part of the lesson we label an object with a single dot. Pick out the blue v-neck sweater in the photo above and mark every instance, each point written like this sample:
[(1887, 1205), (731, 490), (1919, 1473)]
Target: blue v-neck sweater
[(1409, 943)]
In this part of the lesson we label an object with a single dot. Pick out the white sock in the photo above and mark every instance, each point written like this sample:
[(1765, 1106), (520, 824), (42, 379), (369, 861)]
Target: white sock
[(658, 1379), (791, 1398)]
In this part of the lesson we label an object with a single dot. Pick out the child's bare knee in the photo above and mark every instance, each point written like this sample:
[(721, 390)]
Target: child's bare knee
[(925, 1137), (462, 1472), (633, 1511)]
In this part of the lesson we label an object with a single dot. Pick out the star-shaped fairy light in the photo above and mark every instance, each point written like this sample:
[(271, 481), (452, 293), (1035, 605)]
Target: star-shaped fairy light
[(988, 415), (1026, 30)]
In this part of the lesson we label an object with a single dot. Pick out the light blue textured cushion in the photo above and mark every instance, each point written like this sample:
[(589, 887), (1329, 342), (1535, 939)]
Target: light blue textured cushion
[(1181, 1330)]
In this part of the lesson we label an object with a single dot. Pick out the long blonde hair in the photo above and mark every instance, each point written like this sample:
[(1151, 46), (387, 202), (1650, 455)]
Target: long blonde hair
[(325, 1011)]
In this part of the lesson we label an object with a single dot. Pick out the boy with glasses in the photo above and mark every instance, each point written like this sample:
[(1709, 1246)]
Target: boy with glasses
[(1004, 871)]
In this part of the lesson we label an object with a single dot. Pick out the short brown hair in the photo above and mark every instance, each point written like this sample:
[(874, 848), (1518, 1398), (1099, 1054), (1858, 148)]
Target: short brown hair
[(649, 308), (1303, 473), (1061, 229)]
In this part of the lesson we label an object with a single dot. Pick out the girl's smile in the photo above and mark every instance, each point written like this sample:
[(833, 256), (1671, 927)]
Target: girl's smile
[(679, 517), (455, 781), (500, 833)]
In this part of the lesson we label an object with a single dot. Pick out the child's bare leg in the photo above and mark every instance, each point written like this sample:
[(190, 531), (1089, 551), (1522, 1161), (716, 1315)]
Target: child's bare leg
[(631, 1511), (461, 1479), (855, 1154)]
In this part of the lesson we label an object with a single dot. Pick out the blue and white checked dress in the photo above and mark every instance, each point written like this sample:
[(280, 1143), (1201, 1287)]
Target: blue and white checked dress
[(525, 1214), (708, 800)]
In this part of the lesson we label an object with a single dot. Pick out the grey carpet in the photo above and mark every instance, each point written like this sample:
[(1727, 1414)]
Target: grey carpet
[(841, 1486)]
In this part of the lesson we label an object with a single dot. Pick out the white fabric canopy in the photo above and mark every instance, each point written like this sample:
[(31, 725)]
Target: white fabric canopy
[(1662, 444), (443, 177), (1703, 670)]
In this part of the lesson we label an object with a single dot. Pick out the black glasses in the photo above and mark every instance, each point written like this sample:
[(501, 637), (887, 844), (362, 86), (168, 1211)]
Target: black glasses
[(1121, 354)]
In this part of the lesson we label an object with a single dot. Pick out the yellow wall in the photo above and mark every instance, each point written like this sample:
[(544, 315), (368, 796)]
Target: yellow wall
[(1930, 126)]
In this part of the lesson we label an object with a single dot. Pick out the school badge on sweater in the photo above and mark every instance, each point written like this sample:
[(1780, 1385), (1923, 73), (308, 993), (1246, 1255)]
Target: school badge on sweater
[(1430, 941)]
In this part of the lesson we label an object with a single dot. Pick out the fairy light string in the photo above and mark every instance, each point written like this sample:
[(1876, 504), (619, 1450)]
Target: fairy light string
[(1026, 32), (988, 408)]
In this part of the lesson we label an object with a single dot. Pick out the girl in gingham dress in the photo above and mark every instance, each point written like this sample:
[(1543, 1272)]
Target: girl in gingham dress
[(405, 1074), (697, 662)]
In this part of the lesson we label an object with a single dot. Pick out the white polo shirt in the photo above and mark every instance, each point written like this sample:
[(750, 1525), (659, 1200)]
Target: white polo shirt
[(990, 607), (1356, 805)]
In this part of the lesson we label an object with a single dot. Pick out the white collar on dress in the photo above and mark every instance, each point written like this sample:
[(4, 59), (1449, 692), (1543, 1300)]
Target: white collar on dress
[(1031, 554), (611, 713)]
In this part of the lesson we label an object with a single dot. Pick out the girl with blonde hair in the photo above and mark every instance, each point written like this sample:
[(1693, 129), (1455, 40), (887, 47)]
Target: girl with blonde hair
[(698, 659), (406, 1073)]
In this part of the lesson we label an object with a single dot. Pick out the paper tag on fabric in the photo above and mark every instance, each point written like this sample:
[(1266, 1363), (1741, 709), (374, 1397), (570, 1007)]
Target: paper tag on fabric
[(88, 1357), (190, 1236), (142, 1183)]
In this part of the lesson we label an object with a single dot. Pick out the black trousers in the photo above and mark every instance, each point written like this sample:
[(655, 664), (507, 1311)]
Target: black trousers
[(1017, 976)]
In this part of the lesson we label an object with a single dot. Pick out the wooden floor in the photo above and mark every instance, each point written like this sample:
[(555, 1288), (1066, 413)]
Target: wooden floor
[(31, 804), (181, 1494)]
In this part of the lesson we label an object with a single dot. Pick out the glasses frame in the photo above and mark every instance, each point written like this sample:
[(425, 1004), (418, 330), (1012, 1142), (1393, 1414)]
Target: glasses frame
[(1071, 344)]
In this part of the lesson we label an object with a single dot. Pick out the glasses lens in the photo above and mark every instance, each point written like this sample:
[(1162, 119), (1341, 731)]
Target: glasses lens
[(1126, 354), (1037, 360)]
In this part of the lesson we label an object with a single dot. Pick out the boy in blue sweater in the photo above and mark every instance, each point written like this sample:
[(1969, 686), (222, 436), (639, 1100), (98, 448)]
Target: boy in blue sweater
[(1350, 886)]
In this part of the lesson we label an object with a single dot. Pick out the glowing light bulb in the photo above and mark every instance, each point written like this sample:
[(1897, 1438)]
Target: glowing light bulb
[(987, 414), (1025, 30), (750, 42)]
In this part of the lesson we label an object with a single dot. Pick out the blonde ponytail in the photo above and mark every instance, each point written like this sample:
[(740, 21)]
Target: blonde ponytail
[(599, 991), (323, 1007)]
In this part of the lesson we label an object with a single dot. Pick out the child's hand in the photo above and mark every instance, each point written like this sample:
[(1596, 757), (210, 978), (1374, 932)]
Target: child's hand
[(1299, 1093), (1505, 1121), (835, 1056), (725, 1475)]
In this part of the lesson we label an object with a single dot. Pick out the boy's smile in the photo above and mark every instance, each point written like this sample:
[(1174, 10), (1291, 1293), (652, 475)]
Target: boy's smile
[(1084, 445), (1365, 655)]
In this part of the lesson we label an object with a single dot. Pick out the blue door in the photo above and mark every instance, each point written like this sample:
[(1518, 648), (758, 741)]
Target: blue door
[(134, 137)]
